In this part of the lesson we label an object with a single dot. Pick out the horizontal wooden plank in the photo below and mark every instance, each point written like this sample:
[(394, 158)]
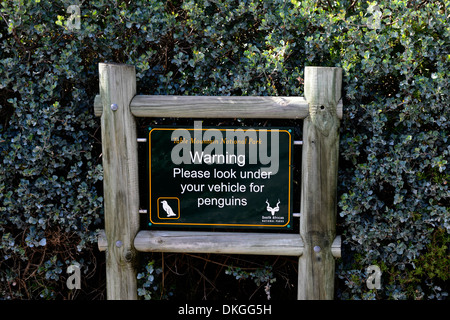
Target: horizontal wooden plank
[(215, 242), (336, 247), (217, 107), (219, 242), (98, 107)]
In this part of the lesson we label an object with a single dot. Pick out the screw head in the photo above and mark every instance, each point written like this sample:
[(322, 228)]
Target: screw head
[(114, 107), (119, 243), (316, 249)]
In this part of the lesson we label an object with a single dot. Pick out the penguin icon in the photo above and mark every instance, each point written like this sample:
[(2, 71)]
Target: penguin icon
[(168, 209)]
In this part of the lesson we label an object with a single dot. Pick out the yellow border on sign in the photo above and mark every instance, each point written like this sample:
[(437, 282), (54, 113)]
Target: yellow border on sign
[(213, 224)]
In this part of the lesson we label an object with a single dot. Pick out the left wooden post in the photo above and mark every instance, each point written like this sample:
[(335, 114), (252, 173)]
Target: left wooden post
[(120, 178)]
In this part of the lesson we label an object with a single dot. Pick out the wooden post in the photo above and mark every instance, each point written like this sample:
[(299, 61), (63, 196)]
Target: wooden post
[(120, 178), (319, 183)]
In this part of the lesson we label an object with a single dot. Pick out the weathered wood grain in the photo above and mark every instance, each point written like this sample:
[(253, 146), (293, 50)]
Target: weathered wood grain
[(218, 242), (120, 179), (319, 183), (217, 107)]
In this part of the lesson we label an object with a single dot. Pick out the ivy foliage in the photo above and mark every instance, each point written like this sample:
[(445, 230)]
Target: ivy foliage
[(394, 198)]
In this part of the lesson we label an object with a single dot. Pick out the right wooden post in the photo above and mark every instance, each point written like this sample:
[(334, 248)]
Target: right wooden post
[(319, 183)]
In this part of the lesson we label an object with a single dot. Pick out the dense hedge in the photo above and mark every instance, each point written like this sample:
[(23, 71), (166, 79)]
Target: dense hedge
[(394, 198)]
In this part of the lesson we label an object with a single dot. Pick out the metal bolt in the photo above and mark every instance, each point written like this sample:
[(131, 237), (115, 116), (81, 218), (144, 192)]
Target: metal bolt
[(114, 107), (119, 243), (316, 249)]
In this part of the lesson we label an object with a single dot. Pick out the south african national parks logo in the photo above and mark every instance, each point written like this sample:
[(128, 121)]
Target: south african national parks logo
[(272, 210)]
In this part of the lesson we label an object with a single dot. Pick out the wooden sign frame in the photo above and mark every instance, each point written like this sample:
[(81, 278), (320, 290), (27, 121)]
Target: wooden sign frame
[(316, 245)]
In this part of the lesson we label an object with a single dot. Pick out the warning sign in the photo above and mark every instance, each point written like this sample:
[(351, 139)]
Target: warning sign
[(220, 177)]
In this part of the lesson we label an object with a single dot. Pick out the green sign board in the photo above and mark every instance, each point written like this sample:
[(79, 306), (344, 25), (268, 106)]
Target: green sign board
[(220, 177)]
